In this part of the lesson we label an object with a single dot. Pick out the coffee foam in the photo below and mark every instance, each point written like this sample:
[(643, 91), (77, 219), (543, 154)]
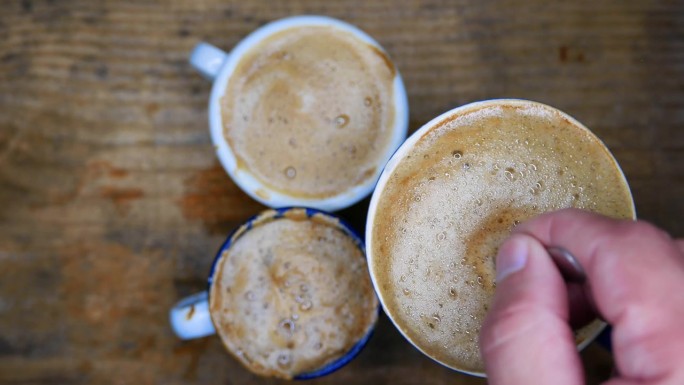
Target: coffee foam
[(291, 296), (309, 111), (455, 197)]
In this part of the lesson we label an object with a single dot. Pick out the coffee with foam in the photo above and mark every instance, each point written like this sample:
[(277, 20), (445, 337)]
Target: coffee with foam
[(309, 111), (455, 196), (292, 295)]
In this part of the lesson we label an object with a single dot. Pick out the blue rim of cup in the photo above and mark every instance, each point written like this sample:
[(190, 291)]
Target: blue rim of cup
[(274, 214)]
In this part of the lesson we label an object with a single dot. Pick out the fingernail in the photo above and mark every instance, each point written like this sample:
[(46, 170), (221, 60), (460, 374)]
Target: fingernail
[(512, 257)]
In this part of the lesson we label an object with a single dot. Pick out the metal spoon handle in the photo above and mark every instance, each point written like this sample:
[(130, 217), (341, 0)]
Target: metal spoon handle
[(568, 265)]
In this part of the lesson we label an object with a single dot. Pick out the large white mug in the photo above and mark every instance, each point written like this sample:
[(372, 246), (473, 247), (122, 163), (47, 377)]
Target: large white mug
[(470, 115)]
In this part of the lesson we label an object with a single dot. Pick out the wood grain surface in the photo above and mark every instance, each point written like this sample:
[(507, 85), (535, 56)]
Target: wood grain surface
[(112, 203)]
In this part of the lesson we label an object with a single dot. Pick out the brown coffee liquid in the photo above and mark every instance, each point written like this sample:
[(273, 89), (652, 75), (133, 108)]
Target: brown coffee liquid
[(309, 111), (456, 196), (292, 295)]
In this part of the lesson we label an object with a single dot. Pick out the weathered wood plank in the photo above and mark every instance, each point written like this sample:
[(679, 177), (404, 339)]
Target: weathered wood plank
[(112, 203)]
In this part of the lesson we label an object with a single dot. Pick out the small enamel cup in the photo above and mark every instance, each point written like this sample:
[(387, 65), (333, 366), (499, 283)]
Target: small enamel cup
[(190, 318), (218, 66)]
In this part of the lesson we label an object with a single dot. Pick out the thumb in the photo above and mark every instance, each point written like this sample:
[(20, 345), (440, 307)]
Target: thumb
[(525, 338)]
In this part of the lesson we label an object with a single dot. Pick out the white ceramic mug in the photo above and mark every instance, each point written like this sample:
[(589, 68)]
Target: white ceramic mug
[(218, 66), (593, 330)]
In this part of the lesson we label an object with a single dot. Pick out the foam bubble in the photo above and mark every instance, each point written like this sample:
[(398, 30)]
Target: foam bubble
[(290, 172), (341, 121), (284, 360), (287, 326), (306, 305)]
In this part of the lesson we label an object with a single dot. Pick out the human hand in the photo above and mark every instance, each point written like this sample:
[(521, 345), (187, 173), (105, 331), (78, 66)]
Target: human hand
[(635, 278)]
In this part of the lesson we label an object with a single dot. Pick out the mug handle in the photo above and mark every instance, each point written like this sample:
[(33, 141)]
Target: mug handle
[(190, 317), (207, 59)]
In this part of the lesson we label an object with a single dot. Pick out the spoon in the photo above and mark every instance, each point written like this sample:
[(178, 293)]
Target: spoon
[(569, 266)]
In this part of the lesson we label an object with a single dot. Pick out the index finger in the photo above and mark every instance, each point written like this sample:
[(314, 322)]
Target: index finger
[(636, 277)]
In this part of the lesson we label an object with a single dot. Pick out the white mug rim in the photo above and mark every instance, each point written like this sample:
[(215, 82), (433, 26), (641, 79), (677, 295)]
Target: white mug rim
[(246, 180), (408, 145)]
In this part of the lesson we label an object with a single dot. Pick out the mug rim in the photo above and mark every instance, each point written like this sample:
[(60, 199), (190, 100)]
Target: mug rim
[(248, 182), (408, 145), (268, 215)]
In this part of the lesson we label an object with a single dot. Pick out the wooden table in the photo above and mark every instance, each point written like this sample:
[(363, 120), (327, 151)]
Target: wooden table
[(112, 203)]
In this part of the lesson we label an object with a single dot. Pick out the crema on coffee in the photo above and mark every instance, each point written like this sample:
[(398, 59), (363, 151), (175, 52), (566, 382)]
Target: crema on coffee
[(309, 111), (455, 196), (292, 295)]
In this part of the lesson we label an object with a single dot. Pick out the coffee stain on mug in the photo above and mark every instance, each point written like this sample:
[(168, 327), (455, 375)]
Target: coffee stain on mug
[(191, 312), (383, 55), (263, 194)]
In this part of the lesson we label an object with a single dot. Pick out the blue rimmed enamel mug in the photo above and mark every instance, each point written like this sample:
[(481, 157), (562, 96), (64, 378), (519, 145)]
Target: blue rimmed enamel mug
[(191, 318)]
